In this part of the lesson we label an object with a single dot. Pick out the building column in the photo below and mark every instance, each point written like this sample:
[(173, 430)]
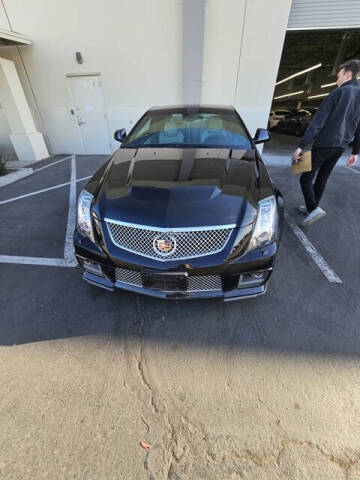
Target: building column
[(264, 30), (29, 144), (193, 40)]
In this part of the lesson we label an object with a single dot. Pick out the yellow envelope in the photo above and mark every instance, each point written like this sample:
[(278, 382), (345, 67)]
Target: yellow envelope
[(303, 165)]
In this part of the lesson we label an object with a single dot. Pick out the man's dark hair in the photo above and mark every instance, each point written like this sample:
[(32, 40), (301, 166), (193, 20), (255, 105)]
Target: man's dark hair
[(352, 66)]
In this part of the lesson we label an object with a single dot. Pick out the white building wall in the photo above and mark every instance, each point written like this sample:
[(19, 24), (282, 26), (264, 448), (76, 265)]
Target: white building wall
[(261, 49), (224, 22), (6, 147), (242, 52), (4, 23), (136, 46)]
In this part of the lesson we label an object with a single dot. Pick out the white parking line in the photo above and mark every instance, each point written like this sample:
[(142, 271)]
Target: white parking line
[(51, 262), (314, 254), (69, 259), (43, 190), (54, 163), (69, 254), (352, 170)]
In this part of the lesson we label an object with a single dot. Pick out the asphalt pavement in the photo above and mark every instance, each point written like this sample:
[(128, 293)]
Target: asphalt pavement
[(265, 388)]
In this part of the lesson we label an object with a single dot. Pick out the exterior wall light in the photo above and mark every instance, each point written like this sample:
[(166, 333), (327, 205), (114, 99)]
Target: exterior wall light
[(79, 57)]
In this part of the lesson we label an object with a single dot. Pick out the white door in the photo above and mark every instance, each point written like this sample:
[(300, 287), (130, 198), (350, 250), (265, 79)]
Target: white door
[(89, 114)]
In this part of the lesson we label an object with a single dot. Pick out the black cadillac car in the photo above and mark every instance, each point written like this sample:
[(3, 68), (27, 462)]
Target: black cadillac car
[(185, 208)]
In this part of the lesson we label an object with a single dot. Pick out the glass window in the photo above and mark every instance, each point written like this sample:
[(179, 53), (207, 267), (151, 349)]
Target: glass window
[(186, 127)]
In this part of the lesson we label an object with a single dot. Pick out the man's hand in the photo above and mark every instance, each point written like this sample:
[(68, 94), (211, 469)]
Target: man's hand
[(296, 155), (351, 161)]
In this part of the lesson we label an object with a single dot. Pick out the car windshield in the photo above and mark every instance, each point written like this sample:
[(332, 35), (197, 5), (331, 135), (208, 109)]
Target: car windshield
[(185, 127)]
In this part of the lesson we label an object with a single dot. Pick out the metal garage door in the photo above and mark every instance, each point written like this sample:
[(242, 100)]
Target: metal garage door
[(322, 14)]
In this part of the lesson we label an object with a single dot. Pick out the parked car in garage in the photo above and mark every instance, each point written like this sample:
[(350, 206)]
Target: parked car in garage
[(185, 208), (296, 123), (276, 116)]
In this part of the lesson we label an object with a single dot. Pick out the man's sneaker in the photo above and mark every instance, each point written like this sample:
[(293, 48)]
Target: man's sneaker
[(314, 216), (303, 209)]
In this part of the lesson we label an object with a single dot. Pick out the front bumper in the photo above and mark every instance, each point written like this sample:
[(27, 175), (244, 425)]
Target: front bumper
[(234, 294), (232, 274)]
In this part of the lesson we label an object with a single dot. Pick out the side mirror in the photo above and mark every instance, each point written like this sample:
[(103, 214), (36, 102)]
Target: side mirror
[(262, 135), (120, 135)]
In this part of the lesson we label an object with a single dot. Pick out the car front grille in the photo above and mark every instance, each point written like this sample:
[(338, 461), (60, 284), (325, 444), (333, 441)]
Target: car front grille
[(196, 283), (169, 244)]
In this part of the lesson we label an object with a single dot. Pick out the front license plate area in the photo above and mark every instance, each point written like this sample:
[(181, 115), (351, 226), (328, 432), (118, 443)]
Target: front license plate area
[(168, 282)]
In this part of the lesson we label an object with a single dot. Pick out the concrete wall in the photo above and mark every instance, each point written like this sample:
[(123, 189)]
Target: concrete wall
[(4, 23), (261, 48), (136, 46), (243, 46), (222, 43), (5, 143), (193, 46)]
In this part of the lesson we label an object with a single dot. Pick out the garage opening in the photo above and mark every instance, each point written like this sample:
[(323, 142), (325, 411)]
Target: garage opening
[(307, 74)]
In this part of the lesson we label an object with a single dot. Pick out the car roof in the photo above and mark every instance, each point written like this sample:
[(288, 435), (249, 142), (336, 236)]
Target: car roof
[(192, 107)]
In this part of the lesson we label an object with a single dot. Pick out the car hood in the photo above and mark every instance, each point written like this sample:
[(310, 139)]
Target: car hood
[(175, 187)]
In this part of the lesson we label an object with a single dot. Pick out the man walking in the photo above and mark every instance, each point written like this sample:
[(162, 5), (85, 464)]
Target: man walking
[(334, 126)]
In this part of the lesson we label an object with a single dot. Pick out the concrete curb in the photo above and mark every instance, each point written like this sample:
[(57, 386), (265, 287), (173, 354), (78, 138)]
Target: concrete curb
[(15, 176), (25, 164)]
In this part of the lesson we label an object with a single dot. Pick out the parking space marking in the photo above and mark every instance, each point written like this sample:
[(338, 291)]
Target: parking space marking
[(53, 163), (352, 170), (314, 254), (69, 254), (43, 190), (50, 262), (69, 259)]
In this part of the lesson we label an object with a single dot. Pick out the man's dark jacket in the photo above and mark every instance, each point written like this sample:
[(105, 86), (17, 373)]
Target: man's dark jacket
[(337, 121)]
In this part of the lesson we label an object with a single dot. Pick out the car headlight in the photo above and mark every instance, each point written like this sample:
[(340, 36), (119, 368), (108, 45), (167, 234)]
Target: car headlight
[(84, 222), (266, 224)]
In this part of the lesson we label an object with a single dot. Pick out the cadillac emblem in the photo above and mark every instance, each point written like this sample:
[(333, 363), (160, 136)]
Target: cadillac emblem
[(164, 245)]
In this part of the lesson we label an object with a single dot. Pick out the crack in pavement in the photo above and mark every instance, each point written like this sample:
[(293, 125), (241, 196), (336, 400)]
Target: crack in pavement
[(158, 408), (344, 464), (141, 364), (199, 445), (140, 370), (185, 448)]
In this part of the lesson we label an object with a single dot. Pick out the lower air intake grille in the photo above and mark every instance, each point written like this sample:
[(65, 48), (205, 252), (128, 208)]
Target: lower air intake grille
[(131, 277), (204, 283), (196, 283)]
